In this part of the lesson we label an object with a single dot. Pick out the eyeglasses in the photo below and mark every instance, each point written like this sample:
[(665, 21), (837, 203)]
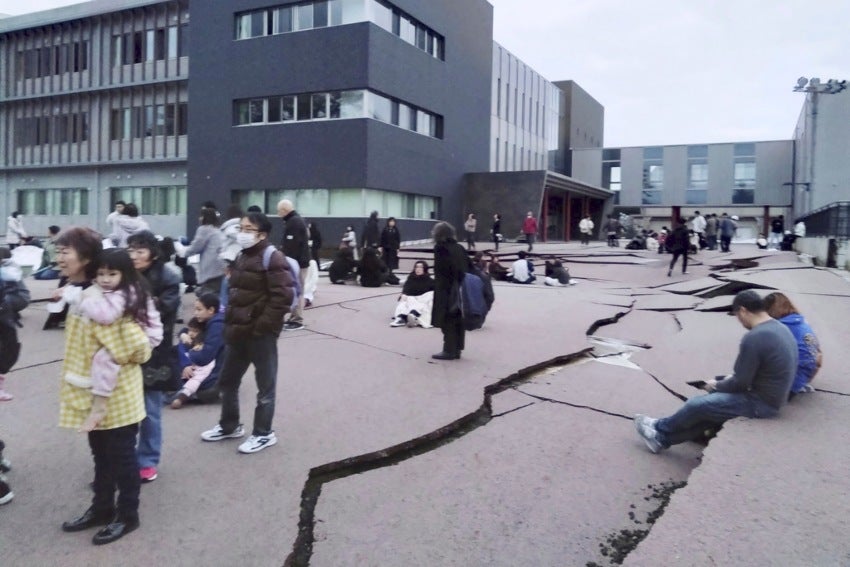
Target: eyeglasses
[(248, 229)]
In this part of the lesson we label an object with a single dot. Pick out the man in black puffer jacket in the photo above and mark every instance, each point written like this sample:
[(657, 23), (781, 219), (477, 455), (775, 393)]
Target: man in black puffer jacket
[(296, 245)]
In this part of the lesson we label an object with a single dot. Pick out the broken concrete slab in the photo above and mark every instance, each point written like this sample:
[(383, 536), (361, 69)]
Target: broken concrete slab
[(733, 512), (640, 326), (810, 280), (668, 302), (511, 492), (691, 286)]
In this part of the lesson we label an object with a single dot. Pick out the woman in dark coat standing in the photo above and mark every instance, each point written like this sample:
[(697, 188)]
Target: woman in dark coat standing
[(496, 230), (450, 266), (390, 244), (147, 256)]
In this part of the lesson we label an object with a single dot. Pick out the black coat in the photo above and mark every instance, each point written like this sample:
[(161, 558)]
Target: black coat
[(451, 263), (164, 286), (679, 241), (296, 239), (371, 234)]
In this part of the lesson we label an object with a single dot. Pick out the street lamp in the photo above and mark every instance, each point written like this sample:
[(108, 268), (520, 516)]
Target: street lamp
[(814, 87)]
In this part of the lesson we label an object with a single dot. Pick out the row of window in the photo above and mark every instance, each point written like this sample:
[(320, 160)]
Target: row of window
[(163, 200), (325, 13), (74, 201), (160, 200), (151, 120), (337, 105), (56, 129), (343, 202), (150, 45), (68, 57), (695, 197)]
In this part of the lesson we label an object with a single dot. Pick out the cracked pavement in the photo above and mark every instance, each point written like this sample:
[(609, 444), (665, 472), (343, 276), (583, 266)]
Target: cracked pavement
[(521, 453)]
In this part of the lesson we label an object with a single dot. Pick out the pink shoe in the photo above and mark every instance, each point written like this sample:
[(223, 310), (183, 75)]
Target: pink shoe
[(6, 396), (147, 474)]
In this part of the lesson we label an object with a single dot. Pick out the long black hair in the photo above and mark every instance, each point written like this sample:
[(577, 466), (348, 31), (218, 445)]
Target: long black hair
[(132, 284)]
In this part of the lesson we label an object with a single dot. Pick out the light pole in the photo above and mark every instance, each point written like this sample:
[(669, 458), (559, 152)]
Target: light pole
[(813, 86)]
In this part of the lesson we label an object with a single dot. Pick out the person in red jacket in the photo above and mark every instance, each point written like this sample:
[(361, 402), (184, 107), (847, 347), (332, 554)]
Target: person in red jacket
[(529, 228)]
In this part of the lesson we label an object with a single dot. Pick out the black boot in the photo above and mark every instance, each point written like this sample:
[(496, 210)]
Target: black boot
[(443, 355), (120, 526), (89, 519)]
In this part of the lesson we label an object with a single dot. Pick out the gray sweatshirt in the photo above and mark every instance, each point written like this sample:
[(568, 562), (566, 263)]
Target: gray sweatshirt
[(766, 364), (208, 243)]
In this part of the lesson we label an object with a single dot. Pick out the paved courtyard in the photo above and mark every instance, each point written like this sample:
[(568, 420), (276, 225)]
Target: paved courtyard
[(520, 454)]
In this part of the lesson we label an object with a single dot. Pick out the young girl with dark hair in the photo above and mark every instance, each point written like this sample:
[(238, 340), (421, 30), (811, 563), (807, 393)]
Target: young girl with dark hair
[(119, 297)]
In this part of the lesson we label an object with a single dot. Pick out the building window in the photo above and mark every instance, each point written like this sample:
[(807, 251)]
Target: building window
[(612, 174), (653, 175), (697, 191), (150, 45), (150, 120), (337, 105), (161, 200), (745, 174), (56, 129), (69, 57), (343, 202), (324, 13), (50, 202)]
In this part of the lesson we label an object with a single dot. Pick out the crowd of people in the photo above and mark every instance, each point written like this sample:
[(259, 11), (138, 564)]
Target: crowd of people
[(121, 304)]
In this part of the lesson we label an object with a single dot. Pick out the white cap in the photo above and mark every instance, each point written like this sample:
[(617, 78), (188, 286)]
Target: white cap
[(734, 217)]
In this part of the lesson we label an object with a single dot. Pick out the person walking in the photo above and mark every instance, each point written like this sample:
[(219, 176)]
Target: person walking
[(726, 228), (296, 245), (15, 233), (469, 226), (678, 243), (698, 225), (450, 266), (529, 229), (496, 230), (585, 227), (711, 231), (757, 388), (261, 291)]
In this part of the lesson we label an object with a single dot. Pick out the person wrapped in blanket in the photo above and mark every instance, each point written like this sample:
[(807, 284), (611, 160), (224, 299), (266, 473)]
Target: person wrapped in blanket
[(413, 308)]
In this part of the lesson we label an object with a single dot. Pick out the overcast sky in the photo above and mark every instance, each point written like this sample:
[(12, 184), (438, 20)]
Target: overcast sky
[(671, 71)]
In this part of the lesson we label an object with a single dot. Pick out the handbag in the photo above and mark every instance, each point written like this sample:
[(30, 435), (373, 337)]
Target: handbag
[(455, 306)]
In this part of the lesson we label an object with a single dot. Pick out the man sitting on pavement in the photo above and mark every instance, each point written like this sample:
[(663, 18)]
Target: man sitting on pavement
[(763, 374)]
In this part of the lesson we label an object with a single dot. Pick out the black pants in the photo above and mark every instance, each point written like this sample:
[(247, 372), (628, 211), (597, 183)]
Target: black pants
[(684, 255), (10, 348), (496, 242), (115, 466), (470, 240), (530, 238), (725, 243), (453, 334), (612, 240), (585, 238), (261, 351)]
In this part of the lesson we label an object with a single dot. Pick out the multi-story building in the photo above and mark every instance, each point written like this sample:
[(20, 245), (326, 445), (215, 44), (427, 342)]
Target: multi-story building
[(343, 106)]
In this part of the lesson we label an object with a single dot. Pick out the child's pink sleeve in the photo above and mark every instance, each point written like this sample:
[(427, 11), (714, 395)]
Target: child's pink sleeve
[(104, 309), (104, 373)]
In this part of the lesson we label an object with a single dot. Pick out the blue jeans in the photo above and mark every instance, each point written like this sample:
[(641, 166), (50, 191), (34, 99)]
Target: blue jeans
[(47, 273), (150, 433), (262, 353), (703, 412)]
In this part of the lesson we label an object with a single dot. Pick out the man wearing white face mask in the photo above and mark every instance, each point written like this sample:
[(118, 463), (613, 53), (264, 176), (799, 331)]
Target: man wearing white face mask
[(261, 291)]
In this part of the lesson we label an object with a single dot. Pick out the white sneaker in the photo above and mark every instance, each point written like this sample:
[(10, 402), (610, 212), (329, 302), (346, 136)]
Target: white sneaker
[(646, 429), (217, 433), (256, 443), (397, 322)]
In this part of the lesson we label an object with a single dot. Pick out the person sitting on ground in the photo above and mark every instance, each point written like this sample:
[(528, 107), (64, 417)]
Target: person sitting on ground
[(761, 242), (479, 267), (49, 269), (522, 271), (809, 354), (416, 301), (372, 270), (191, 340), (557, 274), (496, 270), (758, 387), (662, 240), (343, 266)]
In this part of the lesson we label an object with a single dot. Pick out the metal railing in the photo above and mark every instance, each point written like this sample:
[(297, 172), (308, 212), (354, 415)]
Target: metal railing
[(833, 220)]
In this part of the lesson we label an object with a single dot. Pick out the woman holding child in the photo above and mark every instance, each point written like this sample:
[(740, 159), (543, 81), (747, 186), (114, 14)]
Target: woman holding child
[(112, 421)]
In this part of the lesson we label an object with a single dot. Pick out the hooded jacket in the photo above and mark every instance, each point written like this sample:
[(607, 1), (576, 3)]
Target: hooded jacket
[(125, 226), (808, 348)]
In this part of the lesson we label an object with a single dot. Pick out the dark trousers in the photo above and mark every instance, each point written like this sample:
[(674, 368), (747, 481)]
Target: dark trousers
[(453, 334), (262, 353), (10, 348), (712, 241), (470, 240), (530, 238), (585, 238), (496, 242), (684, 255), (391, 258), (612, 240), (115, 466), (725, 243)]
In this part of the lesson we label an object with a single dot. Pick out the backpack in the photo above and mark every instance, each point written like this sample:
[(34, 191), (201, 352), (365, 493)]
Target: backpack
[(293, 267), (473, 304)]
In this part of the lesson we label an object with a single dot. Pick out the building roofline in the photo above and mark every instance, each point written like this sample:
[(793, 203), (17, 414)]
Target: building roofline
[(68, 13), (682, 145)]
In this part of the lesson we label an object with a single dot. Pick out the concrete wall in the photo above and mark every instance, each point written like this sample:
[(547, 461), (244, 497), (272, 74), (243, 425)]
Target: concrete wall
[(512, 194), (818, 249)]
